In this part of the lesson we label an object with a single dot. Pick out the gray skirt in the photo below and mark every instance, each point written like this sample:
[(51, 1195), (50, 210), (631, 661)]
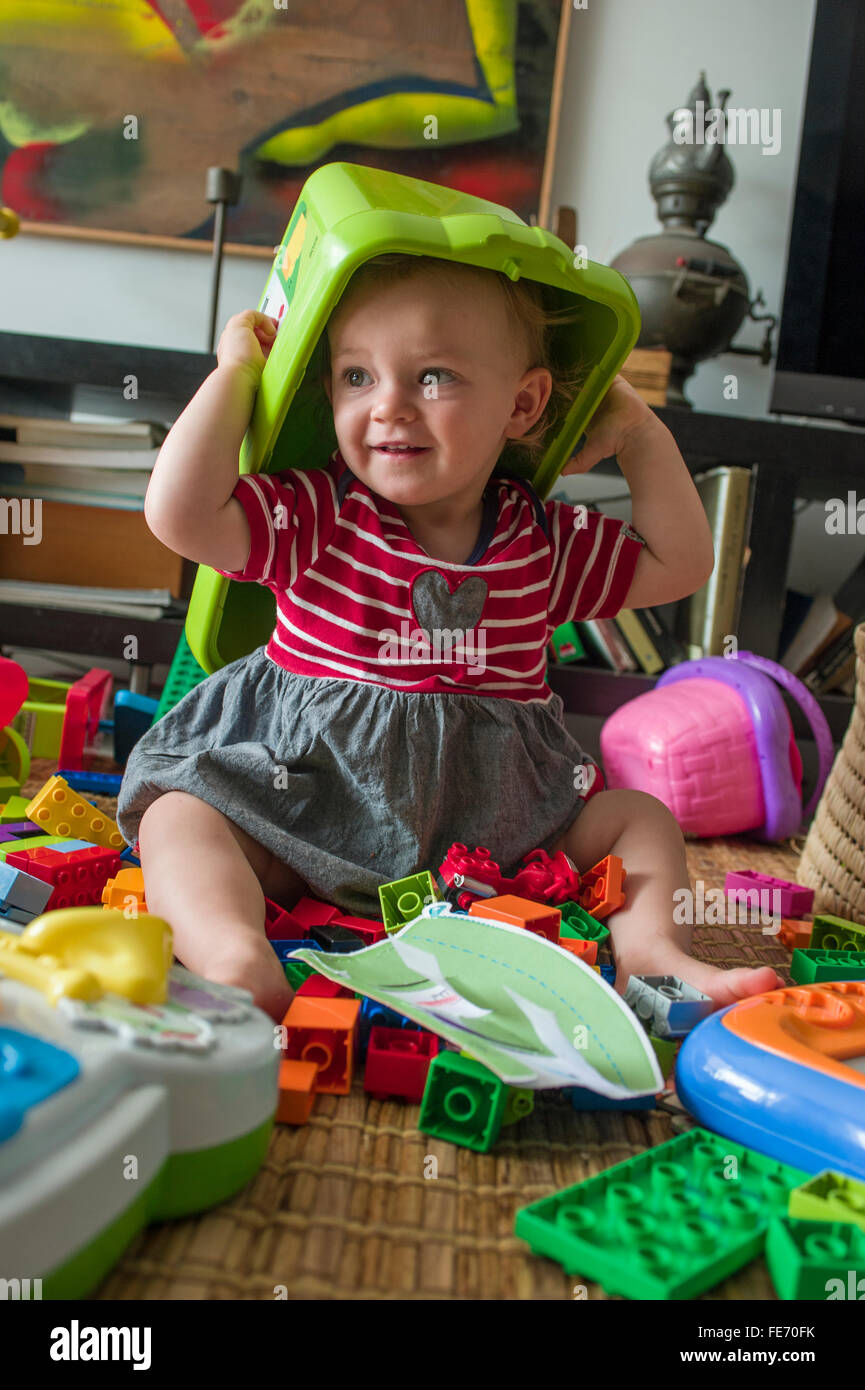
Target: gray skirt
[(354, 785)]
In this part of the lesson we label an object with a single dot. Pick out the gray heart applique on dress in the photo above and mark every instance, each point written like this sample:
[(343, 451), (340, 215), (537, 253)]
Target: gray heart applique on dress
[(437, 606)]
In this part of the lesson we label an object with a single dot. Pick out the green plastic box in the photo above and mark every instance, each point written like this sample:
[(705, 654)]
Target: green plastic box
[(40, 719), (347, 214)]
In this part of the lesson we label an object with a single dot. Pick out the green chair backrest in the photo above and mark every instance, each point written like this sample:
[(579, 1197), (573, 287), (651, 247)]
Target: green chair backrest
[(346, 215)]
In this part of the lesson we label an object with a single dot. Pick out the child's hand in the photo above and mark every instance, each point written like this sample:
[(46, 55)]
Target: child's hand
[(620, 414), (246, 340)]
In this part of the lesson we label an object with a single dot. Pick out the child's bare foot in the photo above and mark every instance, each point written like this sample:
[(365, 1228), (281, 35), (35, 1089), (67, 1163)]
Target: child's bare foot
[(723, 986), (254, 966)]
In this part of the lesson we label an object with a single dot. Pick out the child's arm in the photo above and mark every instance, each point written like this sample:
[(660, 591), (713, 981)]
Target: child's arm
[(189, 504), (665, 506)]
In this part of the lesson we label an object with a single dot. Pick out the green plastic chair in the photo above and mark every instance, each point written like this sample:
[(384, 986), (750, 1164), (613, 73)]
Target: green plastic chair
[(346, 215)]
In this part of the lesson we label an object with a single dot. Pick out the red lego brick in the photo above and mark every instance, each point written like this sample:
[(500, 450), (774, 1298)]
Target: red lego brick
[(539, 918), (369, 931), (86, 703), (319, 987), (398, 1061), (603, 887), (281, 925), (312, 912), (324, 1031), (78, 876)]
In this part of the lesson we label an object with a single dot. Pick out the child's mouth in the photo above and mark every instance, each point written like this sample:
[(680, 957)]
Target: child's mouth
[(398, 452)]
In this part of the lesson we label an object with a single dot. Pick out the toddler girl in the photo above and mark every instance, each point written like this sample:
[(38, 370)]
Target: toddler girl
[(400, 704)]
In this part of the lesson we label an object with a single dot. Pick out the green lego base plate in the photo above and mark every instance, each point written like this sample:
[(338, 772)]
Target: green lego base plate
[(347, 214), (668, 1224)]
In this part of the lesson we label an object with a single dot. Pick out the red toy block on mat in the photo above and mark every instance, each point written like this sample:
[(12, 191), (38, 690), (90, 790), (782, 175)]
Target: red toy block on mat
[(398, 1062), (369, 931), (312, 912), (78, 876), (86, 703), (320, 987)]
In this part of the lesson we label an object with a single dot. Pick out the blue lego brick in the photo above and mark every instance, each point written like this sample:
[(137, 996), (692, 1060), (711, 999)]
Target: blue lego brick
[(464, 1102), (285, 948), (583, 1099), (102, 783), (668, 1224), (608, 972), (20, 893), (667, 1006), (129, 858), (133, 716)]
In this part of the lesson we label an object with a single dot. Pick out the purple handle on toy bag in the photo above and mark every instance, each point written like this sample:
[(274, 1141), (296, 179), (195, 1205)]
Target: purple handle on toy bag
[(746, 673), (812, 712)]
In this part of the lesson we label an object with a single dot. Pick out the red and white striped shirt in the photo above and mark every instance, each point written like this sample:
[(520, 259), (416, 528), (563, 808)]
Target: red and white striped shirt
[(357, 598)]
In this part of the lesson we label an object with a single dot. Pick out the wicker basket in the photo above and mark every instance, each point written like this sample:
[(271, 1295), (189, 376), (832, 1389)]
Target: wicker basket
[(833, 860)]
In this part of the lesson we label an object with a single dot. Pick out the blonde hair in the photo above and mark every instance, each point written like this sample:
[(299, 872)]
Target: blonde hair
[(535, 312)]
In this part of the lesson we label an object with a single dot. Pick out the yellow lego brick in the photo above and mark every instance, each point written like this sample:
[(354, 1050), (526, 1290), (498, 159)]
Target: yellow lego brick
[(61, 811)]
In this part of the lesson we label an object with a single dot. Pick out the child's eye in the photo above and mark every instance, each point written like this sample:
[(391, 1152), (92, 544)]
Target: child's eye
[(352, 371), (434, 371)]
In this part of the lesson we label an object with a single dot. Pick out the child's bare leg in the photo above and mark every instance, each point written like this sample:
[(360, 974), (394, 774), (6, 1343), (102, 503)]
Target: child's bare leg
[(208, 879), (646, 940)]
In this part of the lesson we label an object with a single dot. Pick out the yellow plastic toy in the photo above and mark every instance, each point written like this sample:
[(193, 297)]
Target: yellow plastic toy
[(57, 808), (130, 956)]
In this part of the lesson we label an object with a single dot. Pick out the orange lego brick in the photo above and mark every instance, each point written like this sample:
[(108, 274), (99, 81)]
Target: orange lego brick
[(126, 885), (520, 912), (795, 933), (324, 1031), (59, 810), (296, 1092), (602, 889), (586, 951)]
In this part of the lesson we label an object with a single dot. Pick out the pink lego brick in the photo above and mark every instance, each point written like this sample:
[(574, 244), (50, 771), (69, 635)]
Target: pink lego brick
[(795, 901)]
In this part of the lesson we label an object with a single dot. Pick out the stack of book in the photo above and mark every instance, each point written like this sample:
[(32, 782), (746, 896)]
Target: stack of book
[(89, 480), (817, 638)]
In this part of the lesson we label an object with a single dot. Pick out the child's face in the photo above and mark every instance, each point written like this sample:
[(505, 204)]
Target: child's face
[(385, 340)]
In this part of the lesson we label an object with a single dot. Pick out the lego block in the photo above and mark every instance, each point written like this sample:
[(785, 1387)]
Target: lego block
[(539, 918), (129, 857), (578, 924), (59, 809), (296, 1092), (793, 900), (311, 912), (184, 674), (665, 1050), (14, 810), (296, 971), (794, 934), (398, 1062), (810, 967), (668, 1224), (28, 842), (14, 763), (102, 783), (133, 716), (667, 1006), (405, 898), (86, 704), (608, 972), (77, 876), (816, 1259), (40, 719), (829, 1196), (319, 987), (376, 1015), (324, 1031), (125, 891), (463, 1102), (284, 949), (280, 924), (332, 937), (566, 643), (586, 951), (22, 893), (519, 1104), (369, 931), (602, 890), (583, 1099), (837, 934)]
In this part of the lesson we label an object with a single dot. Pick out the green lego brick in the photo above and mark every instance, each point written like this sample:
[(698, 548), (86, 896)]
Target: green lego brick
[(580, 924), (463, 1102), (296, 971), (668, 1224), (519, 1103), (32, 842), (184, 674), (837, 934), (665, 1051), (808, 967), (14, 809), (404, 899), (567, 644), (829, 1197), (822, 1260)]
